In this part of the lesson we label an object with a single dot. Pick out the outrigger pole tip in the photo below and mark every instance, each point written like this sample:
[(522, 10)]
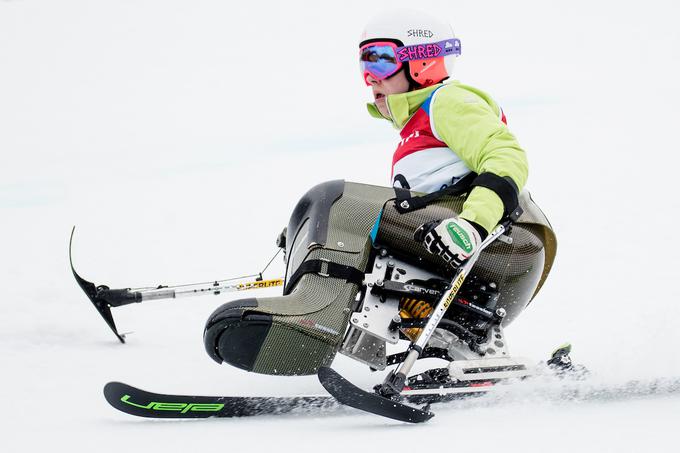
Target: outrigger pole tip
[(70, 244), (91, 292)]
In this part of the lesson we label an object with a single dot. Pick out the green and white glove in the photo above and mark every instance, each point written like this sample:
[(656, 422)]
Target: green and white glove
[(453, 239)]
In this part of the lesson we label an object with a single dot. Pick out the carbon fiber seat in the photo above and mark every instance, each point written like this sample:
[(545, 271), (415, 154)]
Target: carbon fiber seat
[(296, 333)]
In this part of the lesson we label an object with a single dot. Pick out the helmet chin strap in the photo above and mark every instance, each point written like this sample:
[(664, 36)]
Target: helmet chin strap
[(413, 85)]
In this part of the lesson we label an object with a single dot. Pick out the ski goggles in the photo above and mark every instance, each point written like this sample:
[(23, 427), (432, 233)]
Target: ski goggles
[(383, 59)]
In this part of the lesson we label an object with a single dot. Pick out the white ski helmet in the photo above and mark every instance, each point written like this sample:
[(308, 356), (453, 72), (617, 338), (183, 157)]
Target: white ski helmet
[(412, 28)]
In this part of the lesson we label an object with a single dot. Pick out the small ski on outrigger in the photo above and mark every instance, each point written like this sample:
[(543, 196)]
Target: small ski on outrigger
[(104, 298)]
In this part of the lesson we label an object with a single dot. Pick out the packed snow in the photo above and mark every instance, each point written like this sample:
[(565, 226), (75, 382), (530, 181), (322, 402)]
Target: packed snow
[(178, 136)]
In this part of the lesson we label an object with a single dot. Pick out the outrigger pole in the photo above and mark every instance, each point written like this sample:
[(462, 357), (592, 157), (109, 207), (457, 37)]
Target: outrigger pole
[(104, 298)]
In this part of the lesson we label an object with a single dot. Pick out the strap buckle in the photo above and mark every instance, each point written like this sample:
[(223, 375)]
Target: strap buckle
[(324, 268)]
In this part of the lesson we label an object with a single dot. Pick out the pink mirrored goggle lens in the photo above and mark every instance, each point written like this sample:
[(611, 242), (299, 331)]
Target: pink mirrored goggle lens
[(379, 60)]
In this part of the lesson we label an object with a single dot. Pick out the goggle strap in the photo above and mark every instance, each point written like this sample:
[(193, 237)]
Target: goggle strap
[(428, 51)]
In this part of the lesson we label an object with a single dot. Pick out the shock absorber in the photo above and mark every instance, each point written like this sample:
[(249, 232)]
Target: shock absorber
[(413, 308)]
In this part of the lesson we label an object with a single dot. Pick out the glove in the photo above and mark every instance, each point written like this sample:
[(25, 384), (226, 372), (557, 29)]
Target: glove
[(453, 239)]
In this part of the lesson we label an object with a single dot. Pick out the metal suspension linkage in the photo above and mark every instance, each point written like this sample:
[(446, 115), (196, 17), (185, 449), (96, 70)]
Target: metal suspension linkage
[(387, 398), (104, 298), (395, 380)]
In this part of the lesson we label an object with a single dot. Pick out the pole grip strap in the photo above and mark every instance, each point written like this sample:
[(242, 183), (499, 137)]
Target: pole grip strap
[(505, 188)]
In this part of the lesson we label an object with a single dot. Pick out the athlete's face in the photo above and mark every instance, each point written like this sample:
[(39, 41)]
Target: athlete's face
[(396, 84)]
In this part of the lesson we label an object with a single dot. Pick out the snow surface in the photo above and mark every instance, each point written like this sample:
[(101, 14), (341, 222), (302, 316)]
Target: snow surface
[(178, 136)]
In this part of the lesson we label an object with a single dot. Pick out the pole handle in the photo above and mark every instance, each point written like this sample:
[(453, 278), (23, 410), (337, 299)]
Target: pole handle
[(394, 383)]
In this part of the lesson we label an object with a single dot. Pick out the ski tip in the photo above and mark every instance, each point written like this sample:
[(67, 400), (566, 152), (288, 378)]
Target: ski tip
[(70, 248), (110, 390), (113, 384), (325, 372), (114, 387), (349, 394), (562, 350), (334, 382)]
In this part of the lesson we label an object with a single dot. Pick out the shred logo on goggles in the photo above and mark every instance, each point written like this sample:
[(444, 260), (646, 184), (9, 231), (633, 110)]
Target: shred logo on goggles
[(429, 50)]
